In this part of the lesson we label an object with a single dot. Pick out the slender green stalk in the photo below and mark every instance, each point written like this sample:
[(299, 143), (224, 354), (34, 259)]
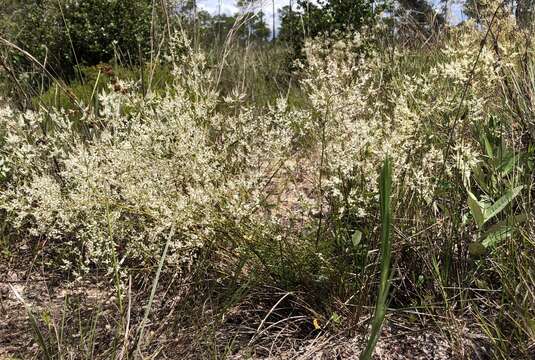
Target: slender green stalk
[(386, 254), (153, 290), (34, 324)]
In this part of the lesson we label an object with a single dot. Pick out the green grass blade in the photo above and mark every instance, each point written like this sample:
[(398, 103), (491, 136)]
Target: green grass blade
[(386, 254), (153, 290), (34, 324)]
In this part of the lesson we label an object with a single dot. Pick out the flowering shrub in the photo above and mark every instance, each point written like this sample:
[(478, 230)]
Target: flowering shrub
[(365, 105), (142, 165)]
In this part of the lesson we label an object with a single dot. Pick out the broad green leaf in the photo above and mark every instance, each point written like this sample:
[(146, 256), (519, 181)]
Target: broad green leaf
[(497, 236), (485, 202), (476, 210), (356, 238), (501, 203)]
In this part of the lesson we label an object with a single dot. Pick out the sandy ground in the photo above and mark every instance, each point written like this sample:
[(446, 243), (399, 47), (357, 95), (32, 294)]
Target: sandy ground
[(256, 327)]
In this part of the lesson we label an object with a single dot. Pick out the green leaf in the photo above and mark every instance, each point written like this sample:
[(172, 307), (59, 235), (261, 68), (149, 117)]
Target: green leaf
[(477, 173), (507, 164), (501, 203), (356, 238), (337, 319), (386, 254), (475, 209), (531, 324), (497, 236), (510, 221), (488, 146)]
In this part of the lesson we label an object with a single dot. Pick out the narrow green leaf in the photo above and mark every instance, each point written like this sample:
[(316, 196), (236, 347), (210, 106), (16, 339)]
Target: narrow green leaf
[(510, 221), (475, 209), (477, 174), (497, 236), (488, 146), (501, 203), (34, 324), (386, 254), (140, 337)]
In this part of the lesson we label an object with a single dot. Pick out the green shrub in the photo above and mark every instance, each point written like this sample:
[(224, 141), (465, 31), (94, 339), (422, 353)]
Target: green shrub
[(64, 34)]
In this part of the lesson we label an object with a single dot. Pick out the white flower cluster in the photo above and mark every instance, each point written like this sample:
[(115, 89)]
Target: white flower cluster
[(111, 188), (366, 105), (145, 165)]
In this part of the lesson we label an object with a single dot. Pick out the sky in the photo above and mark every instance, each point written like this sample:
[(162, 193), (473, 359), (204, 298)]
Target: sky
[(228, 7)]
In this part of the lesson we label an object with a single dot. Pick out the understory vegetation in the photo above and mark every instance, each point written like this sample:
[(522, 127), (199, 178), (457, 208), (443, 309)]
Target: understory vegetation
[(237, 201)]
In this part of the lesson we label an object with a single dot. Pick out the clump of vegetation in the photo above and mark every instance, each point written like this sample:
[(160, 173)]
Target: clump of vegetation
[(239, 209)]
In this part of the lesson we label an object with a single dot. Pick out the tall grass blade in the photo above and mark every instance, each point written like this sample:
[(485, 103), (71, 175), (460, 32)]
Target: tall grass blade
[(34, 324), (153, 290), (386, 254)]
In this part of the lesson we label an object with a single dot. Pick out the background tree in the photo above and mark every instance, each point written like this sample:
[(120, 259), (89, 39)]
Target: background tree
[(328, 16), (325, 17), (290, 22), (254, 26), (418, 18), (66, 33), (249, 24), (523, 10)]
